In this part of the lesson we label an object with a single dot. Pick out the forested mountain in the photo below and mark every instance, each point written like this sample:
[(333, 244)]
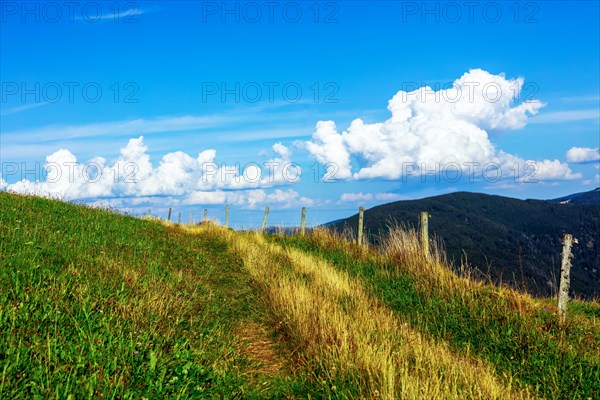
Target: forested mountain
[(499, 234)]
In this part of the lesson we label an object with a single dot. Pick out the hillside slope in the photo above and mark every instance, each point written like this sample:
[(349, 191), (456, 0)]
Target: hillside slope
[(95, 304), (495, 231), (590, 197)]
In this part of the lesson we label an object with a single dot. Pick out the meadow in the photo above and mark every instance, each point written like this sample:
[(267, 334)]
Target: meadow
[(96, 304)]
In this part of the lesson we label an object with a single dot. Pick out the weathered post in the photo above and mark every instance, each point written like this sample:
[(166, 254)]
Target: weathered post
[(425, 233), (226, 215), (149, 212), (264, 223), (191, 219), (179, 219), (169, 216), (361, 214), (565, 277), (205, 215), (303, 223)]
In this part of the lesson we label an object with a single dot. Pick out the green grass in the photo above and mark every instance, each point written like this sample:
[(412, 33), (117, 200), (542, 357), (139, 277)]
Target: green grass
[(96, 304), (527, 346)]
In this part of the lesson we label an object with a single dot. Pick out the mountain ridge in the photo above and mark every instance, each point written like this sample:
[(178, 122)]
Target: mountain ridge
[(502, 235), (589, 197)]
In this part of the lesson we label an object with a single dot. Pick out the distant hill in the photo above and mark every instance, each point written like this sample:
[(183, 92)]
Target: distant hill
[(591, 197), (495, 231)]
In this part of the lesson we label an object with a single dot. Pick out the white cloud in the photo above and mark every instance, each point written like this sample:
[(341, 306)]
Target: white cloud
[(116, 128), (26, 107), (566, 116), (583, 154), (289, 199), (327, 146), (129, 13), (430, 127), (354, 197), (255, 123), (200, 197), (553, 170), (250, 198), (68, 179), (281, 150), (199, 180), (593, 97), (367, 197), (595, 181), (390, 197)]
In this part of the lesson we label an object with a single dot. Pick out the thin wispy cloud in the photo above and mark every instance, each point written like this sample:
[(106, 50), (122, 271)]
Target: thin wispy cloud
[(575, 99), (566, 116), (117, 128), (125, 14), (233, 125), (19, 109)]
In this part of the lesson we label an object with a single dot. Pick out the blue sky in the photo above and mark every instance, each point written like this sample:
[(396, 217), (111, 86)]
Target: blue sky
[(162, 68)]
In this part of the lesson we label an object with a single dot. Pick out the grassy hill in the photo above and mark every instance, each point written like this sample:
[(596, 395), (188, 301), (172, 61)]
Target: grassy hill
[(501, 235), (95, 304)]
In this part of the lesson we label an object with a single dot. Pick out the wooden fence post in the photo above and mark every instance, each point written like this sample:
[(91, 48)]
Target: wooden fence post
[(179, 219), (264, 223), (565, 277), (169, 216), (226, 215), (303, 223), (191, 219), (149, 212), (425, 233), (361, 213), (205, 215)]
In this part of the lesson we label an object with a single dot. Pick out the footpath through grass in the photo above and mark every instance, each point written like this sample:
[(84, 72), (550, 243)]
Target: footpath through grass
[(94, 304), (516, 334), (349, 340)]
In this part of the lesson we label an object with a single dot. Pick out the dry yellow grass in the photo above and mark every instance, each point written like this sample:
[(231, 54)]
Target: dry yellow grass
[(350, 336), (401, 249)]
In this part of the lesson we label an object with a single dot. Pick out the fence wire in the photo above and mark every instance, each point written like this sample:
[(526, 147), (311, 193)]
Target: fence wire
[(244, 219)]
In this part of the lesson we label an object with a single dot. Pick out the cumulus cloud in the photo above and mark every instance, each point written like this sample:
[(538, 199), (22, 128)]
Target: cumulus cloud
[(583, 154), (353, 197), (548, 170), (250, 198), (429, 128), (197, 180), (65, 178), (202, 197), (390, 197), (328, 146), (367, 197), (289, 198)]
